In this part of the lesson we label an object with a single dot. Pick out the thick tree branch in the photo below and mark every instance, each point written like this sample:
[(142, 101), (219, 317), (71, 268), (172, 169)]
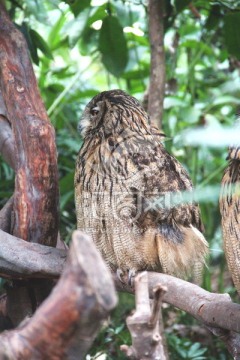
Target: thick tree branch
[(72, 314), (36, 184), (22, 260), (157, 78), (216, 310)]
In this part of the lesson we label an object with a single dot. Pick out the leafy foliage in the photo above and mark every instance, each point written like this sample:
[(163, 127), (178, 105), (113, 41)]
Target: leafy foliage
[(82, 47)]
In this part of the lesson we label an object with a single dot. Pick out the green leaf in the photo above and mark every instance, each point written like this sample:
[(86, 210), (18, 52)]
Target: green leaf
[(127, 15), (232, 33), (78, 5), (54, 37), (40, 43), (112, 45), (24, 28), (74, 28), (214, 17), (181, 4)]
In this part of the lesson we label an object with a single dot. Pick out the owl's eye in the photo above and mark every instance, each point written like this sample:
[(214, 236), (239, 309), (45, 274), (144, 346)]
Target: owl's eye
[(94, 111)]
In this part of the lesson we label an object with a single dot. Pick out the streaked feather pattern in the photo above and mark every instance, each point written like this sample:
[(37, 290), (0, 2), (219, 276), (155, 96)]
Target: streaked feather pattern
[(124, 180), (230, 211)]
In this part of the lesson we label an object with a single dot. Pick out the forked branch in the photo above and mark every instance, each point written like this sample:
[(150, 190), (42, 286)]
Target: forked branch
[(147, 342), (65, 325)]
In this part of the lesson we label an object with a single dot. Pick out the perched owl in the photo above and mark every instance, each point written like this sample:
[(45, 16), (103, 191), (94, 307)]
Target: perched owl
[(128, 192), (230, 211)]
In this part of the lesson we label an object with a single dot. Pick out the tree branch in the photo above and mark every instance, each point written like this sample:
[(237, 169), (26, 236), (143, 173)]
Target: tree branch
[(157, 78), (36, 184), (144, 323), (211, 309), (22, 260), (72, 314)]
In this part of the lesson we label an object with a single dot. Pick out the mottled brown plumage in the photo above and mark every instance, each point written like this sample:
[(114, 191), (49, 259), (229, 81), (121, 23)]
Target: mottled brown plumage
[(124, 183), (230, 211)]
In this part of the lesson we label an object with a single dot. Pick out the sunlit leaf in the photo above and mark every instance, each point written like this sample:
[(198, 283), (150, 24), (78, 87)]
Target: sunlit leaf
[(112, 45), (212, 136), (54, 36), (74, 28)]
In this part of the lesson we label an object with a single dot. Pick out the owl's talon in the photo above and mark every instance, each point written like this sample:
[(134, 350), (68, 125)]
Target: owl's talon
[(131, 276), (120, 274)]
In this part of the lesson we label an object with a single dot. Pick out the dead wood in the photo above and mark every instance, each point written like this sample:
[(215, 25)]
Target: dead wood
[(66, 324), (36, 184), (22, 260), (147, 342), (157, 77), (216, 310)]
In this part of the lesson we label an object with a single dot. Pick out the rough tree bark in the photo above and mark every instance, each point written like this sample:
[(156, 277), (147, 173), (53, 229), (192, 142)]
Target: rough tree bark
[(35, 205), (6, 136), (157, 78), (66, 324), (36, 183)]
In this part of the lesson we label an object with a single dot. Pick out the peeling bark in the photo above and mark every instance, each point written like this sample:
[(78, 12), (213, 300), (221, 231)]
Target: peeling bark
[(36, 184)]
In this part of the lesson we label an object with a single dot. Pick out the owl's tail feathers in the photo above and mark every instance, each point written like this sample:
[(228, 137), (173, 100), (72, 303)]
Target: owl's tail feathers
[(186, 257)]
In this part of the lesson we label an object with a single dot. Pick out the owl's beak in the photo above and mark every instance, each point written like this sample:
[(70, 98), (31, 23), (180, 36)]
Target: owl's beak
[(80, 127)]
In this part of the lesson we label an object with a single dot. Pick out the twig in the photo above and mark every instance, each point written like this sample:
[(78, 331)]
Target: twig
[(66, 324), (157, 78), (144, 323)]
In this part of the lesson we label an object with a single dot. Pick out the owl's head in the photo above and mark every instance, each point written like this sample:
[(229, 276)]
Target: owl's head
[(111, 112)]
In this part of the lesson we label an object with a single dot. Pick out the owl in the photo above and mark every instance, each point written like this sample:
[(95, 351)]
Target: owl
[(129, 192), (230, 212)]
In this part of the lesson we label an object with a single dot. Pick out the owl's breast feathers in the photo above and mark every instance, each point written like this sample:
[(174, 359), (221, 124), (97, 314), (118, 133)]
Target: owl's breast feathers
[(132, 197)]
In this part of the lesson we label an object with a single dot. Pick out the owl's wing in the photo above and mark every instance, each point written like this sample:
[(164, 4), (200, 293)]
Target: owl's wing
[(168, 209)]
